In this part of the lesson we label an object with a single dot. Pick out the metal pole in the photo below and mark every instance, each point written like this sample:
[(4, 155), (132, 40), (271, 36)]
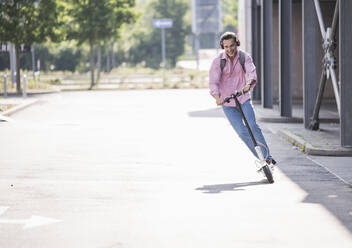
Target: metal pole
[(345, 72), (285, 54), (309, 60), (38, 68), (163, 46), (335, 20), (267, 53), (331, 71), (5, 85), (163, 51), (197, 50), (255, 46), (33, 61), (320, 18), (328, 63), (336, 89), (257, 41), (24, 93), (314, 124)]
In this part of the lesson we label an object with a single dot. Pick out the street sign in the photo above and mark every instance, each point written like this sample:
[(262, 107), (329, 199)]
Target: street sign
[(162, 23)]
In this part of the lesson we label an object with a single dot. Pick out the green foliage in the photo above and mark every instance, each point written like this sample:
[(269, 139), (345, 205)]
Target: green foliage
[(42, 53), (27, 22), (129, 29), (229, 10), (97, 20), (63, 57), (148, 40)]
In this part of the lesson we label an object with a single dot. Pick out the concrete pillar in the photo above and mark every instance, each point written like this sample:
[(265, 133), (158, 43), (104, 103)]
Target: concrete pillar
[(245, 25), (345, 63), (285, 57), (256, 52), (310, 59), (267, 52)]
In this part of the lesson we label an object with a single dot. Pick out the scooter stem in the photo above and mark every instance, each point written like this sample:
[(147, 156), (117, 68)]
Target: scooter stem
[(238, 104)]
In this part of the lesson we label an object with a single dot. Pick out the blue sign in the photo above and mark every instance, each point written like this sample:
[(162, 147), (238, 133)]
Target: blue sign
[(162, 23)]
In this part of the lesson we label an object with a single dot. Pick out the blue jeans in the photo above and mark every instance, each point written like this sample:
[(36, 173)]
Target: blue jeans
[(234, 116)]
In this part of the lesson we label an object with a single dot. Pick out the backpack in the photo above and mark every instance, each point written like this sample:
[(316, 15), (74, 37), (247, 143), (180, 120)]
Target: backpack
[(242, 61)]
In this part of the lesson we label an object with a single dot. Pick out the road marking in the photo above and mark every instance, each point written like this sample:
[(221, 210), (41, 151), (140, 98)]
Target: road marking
[(337, 176), (33, 221), (3, 209), (5, 118)]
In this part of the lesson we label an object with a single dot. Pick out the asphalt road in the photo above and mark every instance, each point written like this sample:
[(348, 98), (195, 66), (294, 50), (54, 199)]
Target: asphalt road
[(156, 169)]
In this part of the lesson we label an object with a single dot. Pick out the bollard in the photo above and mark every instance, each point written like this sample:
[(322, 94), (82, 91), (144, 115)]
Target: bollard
[(24, 85), (5, 85)]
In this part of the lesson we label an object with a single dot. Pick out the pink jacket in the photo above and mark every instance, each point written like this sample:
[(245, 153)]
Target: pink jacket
[(232, 78)]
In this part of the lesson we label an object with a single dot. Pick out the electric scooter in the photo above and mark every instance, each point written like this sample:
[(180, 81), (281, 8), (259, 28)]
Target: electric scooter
[(262, 163)]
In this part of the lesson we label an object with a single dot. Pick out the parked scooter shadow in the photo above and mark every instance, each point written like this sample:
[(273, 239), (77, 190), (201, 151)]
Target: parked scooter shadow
[(218, 188)]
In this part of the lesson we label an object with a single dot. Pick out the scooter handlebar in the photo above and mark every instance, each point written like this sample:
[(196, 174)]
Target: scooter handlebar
[(236, 94), (227, 99)]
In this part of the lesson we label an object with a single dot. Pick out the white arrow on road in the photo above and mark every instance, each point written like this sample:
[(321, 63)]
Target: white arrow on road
[(5, 118), (34, 221), (3, 209)]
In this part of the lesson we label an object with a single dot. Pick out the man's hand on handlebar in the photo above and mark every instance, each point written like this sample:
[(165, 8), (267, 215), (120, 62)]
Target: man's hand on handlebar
[(218, 100), (246, 88)]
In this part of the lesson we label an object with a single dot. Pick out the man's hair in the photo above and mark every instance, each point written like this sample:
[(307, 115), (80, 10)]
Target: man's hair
[(228, 36)]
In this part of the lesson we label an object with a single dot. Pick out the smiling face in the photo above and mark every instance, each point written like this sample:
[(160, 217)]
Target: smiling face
[(230, 47)]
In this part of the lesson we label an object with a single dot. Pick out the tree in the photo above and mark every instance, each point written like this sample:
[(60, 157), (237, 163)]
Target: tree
[(175, 36), (94, 21), (148, 40), (230, 16), (22, 23)]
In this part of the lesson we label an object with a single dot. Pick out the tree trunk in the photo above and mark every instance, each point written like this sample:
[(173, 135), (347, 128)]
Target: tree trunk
[(92, 65), (108, 67), (99, 62), (18, 74), (113, 61)]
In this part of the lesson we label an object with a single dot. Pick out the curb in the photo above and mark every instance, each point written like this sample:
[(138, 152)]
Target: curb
[(310, 149), (32, 93), (280, 119), (19, 107)]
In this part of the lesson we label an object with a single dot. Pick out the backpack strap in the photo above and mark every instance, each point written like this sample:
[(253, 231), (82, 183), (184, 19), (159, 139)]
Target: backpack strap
[(222, 64), (242, 61)]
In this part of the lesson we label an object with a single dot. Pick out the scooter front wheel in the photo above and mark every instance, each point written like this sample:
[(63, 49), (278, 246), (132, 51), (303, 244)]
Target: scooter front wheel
[(268, 174)]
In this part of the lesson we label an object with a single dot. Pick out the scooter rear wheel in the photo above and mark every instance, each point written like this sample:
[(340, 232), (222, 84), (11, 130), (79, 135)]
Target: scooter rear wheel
[(268, 174)]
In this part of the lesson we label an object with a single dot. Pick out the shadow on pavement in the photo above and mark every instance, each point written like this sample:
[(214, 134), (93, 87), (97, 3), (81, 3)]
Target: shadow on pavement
[(214, 112), (320, 185), (218, 188)]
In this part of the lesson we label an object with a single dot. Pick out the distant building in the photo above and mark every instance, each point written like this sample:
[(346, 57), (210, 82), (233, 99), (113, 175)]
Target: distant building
[(206, 23)]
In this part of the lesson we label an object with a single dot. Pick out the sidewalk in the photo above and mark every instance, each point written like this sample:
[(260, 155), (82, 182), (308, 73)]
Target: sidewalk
[(15, 102), (323, 142), (11, 105)]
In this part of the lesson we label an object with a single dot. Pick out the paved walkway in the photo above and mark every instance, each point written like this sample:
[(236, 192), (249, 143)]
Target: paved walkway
[(144, 169), (323, 142)]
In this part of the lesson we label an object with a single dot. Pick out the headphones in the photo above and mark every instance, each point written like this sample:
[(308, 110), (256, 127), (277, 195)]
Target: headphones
[(227, 36)]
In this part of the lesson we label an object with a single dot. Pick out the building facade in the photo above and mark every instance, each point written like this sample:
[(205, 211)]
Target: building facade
[(303, 53)]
